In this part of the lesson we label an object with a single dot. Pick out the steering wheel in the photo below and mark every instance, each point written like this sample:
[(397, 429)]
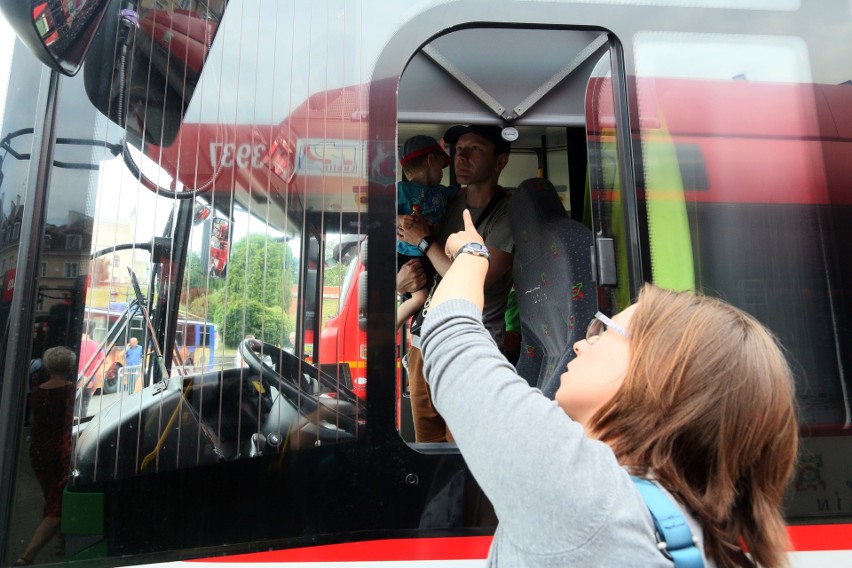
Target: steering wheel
[(306, 387)]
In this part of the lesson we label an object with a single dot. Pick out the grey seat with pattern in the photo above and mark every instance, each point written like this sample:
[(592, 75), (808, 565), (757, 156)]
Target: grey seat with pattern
[(554, 282)]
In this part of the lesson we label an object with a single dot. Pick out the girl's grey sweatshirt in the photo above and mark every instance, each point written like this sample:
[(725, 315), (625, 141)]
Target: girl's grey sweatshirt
[(561, 498)]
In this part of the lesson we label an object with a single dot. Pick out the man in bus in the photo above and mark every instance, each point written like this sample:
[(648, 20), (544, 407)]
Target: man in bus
[(481, 153)]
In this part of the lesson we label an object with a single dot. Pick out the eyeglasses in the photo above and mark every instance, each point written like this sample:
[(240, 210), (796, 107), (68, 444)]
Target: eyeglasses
[(599, 324)]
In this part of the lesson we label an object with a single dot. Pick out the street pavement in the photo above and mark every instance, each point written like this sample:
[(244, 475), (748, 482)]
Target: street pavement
[(26, 510)]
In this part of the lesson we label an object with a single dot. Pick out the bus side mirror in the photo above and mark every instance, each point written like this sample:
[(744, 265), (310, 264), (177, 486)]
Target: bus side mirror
[(58, 32), (145, 62)]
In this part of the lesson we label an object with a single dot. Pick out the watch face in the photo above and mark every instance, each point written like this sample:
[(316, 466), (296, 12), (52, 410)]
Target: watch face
[(475, 249)]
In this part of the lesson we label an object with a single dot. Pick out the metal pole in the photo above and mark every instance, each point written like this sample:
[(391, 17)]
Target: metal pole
[(16, 355), (624, 144)]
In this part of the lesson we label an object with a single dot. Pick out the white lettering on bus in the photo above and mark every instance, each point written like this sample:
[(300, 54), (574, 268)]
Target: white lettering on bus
[(243, 156)]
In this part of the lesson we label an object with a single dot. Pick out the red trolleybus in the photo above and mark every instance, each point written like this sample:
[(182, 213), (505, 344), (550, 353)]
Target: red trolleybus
[(249, 149)]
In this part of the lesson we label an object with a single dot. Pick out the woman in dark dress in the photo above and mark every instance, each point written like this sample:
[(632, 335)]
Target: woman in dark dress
[(52, 404)]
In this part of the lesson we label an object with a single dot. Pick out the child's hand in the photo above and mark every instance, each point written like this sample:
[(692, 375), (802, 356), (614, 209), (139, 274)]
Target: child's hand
[(400, 221), (412, 228), (468, 235), (410, 277)]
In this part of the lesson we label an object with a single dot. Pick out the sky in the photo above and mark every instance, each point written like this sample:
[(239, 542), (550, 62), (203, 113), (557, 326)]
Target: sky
[(7, 40), (112, 173), (271, 53)]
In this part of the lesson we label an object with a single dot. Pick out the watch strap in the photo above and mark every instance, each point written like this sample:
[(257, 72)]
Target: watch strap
[(475, 249), (425, 243)]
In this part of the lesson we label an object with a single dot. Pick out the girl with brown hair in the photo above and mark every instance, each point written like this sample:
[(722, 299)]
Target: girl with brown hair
[(680, 389)]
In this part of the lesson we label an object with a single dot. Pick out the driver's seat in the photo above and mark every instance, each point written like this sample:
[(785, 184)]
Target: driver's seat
[(554, 282)]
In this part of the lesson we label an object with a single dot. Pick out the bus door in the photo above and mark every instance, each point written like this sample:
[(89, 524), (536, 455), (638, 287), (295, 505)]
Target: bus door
[(454, 79)]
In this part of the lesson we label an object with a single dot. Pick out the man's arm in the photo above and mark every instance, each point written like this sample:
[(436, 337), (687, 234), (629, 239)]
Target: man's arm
[(412, 229), (411, 306), (501, 261)]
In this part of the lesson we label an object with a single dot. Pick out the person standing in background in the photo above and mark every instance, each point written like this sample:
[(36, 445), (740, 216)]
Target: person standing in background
[(133, 353), (89, 366), (52, 404)]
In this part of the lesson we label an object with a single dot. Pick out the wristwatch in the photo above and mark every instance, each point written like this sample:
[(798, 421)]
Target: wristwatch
[(425, 243), (476, 249)]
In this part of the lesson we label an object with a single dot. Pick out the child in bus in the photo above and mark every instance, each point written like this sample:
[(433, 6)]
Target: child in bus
[(680, 389), (421, 193)]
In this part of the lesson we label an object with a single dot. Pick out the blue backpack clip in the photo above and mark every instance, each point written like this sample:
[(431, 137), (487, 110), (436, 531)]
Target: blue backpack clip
[(674, 539)]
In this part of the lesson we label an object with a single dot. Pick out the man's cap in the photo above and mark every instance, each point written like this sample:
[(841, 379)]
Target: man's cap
[(421, 145), (490, 132)]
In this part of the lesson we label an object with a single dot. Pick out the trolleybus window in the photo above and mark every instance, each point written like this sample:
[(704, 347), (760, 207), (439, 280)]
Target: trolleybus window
[(458, 78), (765, 233)]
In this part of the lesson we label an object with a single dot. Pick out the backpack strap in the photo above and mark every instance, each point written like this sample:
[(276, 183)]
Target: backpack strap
[(674, 539), (492, 203)]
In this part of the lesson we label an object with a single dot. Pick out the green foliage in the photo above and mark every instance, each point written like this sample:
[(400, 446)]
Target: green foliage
[(196, 275), (255, 295), (269, 324), (198, 306), (262, 270), (334, 275)]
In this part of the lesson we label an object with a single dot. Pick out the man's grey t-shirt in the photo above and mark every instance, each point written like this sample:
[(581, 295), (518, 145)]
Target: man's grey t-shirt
[(497, 232)]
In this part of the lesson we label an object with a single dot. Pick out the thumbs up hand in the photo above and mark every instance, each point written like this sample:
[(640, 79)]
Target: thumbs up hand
[(467, 235)]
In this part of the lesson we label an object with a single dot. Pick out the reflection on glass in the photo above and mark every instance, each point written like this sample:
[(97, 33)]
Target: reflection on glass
[(781, 5), (605, 183), (144, 66), (43, 20), (763, 226), (219, 247), (254, 366), (66, 27)]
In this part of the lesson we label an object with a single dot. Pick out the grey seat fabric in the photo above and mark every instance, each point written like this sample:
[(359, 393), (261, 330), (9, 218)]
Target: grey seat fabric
[(553, 281)]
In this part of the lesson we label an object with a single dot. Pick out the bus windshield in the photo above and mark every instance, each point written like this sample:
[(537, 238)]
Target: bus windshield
[(209, 216)]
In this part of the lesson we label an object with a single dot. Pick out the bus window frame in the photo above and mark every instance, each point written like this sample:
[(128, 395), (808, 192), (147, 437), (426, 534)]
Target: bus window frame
[(626, 148)]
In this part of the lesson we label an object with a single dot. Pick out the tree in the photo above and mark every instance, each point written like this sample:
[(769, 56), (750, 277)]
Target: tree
[(197, 286), (196, 275), (261, 269), (269, 324), (334, 275), (256, 293)]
